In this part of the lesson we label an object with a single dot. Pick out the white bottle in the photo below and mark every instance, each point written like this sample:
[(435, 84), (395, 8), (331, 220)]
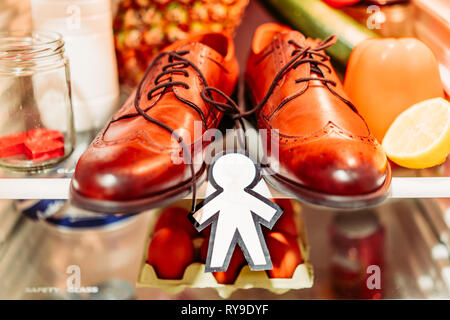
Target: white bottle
[(86, 26)]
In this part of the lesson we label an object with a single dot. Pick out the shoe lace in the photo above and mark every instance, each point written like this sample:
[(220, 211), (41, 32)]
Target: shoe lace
[(177, 64), (300, 55), (303, 55)]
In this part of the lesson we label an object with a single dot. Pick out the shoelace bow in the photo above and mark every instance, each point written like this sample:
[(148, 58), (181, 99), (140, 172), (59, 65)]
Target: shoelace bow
[(300, 55), (178, 64)]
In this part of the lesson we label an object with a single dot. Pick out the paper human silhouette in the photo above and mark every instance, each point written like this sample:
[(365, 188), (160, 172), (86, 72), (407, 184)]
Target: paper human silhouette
[(236, 211)]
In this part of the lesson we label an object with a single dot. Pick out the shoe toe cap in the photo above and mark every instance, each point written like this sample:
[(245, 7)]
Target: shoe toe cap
[(339, 167), (118, 173)]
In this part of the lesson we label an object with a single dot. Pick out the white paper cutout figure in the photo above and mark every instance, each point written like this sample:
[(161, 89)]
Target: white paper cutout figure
[(236, 212)]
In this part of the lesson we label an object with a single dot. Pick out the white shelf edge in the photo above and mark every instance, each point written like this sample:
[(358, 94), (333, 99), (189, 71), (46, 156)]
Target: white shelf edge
[(58, 188), (423, 187), (34, 188)]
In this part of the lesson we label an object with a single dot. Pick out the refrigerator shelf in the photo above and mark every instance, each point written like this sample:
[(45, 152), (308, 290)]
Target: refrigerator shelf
[(54, 183), (58, 188)]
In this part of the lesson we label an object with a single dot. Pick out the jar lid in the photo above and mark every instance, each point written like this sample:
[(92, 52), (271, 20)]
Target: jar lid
[(356, 225)]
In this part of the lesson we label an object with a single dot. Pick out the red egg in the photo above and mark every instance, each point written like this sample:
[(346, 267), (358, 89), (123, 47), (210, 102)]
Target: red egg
[(236, 263), (176, 217), (206, 232), (204, 250), (286, 223), (285, 254), (170, 252)]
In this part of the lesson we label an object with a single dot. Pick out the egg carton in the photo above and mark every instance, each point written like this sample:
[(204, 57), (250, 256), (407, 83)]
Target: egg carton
[(195, 276)]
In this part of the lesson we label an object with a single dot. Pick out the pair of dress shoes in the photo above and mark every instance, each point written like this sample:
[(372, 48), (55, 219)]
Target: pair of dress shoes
[(326, 154)]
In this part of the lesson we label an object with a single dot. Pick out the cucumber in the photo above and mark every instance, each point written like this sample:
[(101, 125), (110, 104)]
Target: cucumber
[(315, 19)]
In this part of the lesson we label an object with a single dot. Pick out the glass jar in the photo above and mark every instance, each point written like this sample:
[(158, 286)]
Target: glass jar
[(36, 119)]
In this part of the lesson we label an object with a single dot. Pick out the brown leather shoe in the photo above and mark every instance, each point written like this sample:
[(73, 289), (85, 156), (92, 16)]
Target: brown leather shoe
[(130, 165), (327, 155)]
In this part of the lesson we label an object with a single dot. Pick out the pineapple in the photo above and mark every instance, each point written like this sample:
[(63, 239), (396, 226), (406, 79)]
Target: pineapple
[(143, 27)]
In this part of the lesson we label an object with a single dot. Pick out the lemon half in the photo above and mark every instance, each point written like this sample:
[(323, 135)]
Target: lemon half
[(420, 136)]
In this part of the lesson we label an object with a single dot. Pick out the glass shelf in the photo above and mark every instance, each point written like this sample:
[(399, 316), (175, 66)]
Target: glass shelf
[(54, 183), (58, 188)]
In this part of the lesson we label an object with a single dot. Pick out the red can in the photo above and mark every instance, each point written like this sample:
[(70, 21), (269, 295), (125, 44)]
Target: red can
[(357, 255)]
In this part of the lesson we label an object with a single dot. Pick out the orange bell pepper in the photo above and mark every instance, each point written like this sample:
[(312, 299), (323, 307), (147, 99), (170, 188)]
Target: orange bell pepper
[(385, 76)]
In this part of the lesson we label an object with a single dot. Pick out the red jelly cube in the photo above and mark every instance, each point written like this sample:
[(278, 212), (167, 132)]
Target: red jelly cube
[(12, 144), (44, 149), (45, 134)]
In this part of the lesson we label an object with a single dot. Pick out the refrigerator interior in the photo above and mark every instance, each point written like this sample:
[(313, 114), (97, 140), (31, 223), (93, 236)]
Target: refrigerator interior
[(35, 256)]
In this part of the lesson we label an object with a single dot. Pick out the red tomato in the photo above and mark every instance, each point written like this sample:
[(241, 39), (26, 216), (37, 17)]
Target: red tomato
[(285, 204), (204, 249), (286, 223), (236, 263), (340, 3), (206, 232), (285, 254), (176, 217), (170, 252)]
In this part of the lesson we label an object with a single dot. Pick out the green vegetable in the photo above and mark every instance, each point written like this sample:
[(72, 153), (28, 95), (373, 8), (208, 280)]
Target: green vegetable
[(315, 19)]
